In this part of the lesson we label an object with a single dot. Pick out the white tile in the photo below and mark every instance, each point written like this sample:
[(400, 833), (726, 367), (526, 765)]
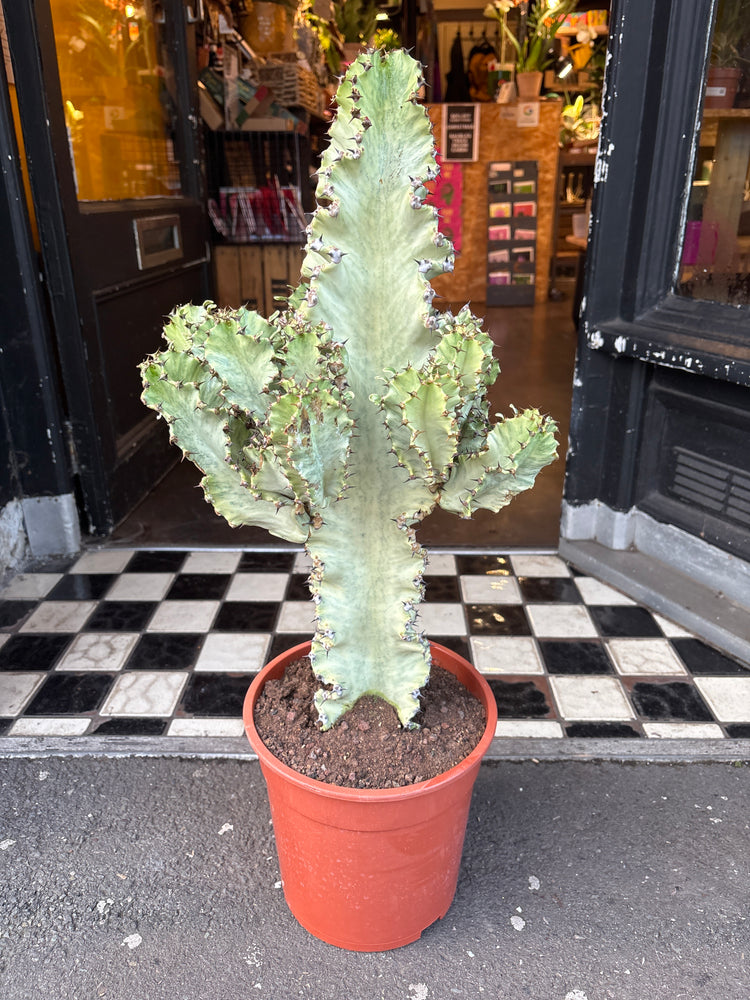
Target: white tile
[(99, 651), (670, 629), (505, 654), (297, 616), (212, 562), (140, 587), (29, 586), (145, 693), (490, 590), (539, 565), (645, 657), (206, 727), (529, 728), (225, 652), (591, 698), (683, 730), (258, 587), (441, 618), (16, 690), (561, 621), (440, 564), (107, 561), (595, 592), (728, 697), (184, 616), (40, 726), (302, 563), (59, 616)]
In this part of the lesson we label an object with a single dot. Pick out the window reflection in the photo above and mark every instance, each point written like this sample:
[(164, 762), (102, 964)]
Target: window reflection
[(117, 90), (715, 262)]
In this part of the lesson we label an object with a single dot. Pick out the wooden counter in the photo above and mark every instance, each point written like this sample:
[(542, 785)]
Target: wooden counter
[(501, 139)]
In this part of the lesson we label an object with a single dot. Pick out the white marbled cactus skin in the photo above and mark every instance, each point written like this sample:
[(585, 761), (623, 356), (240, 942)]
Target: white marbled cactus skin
[(349, 414)]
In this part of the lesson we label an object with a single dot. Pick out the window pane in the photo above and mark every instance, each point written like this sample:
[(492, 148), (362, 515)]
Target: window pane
[(715, 262), (117, 86)]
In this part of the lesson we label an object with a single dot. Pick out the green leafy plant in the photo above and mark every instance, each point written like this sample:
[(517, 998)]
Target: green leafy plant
[(533, 42), (356, 19), (344, 418), (386, 38), (731, 35), (579, 121)]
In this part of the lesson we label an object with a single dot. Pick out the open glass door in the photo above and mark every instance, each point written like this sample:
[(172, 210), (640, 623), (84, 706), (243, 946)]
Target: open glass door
[(657, 497), (106, 95)]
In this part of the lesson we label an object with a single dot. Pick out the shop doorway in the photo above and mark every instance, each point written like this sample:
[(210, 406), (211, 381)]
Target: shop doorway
[(105, 94)]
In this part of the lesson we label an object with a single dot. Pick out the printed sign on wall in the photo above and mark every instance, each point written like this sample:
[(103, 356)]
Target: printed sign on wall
[(460, 132)]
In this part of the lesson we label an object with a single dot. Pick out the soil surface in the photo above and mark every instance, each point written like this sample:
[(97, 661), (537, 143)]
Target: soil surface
[(368, 748)]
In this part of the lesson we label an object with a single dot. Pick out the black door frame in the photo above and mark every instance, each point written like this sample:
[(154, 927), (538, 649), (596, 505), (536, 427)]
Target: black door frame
[(635, 333), (52, 182)]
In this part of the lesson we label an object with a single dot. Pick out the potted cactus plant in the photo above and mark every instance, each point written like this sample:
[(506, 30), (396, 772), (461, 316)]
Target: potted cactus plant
[(338, 423)]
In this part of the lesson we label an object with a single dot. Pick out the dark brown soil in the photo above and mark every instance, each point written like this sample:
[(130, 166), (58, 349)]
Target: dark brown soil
[(368, 748)]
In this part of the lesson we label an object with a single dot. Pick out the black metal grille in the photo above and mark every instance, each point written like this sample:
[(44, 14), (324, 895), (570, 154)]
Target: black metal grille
[(722, 489)]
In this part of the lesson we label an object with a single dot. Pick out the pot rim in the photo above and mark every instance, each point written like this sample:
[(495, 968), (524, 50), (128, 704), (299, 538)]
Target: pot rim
[(267, 759)]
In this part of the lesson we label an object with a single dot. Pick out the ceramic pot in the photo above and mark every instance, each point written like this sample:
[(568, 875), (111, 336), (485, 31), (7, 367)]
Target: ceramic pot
[(529, 85), (722, 85), (370, 869)]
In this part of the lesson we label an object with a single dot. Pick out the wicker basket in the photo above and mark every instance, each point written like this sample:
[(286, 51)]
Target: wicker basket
[(292, 85)]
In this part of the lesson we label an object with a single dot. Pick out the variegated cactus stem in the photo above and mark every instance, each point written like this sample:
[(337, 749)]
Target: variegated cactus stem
[(346, 417)]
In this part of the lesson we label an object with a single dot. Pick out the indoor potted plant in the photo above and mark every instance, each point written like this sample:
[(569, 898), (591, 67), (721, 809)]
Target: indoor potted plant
[(728, 54), (339, 423), (534, 38)]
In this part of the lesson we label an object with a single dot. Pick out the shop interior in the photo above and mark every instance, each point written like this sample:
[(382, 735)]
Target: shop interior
[(514, 191)]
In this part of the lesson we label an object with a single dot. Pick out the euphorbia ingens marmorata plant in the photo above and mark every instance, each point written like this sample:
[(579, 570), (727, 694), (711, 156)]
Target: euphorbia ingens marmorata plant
[(344, 418)]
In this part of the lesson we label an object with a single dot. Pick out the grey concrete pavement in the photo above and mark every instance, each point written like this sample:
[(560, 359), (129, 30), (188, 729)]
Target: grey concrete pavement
[(156, 879)]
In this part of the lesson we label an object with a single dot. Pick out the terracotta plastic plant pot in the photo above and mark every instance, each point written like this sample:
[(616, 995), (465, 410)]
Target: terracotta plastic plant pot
[(370, 869), (722, 85), (529, 85)]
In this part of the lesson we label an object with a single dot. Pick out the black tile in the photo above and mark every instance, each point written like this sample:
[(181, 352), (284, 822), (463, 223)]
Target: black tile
[(297, 589), (281, 643), (81, 587), (199, 587), (156, 561), (484, 565), (13, 612), (219, 695), (519, 699), (33, 652), (579, 656), (120, 616), (52, 564), (701, 659), (497, 619), (132, 727), (624, 621), (70, 694), (738, 730), (165, 651), (5, 725), (246, 616), (441, 588), (549, 589), (455, 643), (266, 562), (602, 730), (673, 700)]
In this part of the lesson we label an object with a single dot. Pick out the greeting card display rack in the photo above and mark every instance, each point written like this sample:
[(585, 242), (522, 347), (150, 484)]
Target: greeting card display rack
[(512, 232)]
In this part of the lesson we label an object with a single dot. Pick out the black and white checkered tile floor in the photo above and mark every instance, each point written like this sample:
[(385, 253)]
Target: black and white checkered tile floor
[(162, 642)]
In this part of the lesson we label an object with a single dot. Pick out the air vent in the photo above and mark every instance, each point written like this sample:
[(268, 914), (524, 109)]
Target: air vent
[(724, 490)]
